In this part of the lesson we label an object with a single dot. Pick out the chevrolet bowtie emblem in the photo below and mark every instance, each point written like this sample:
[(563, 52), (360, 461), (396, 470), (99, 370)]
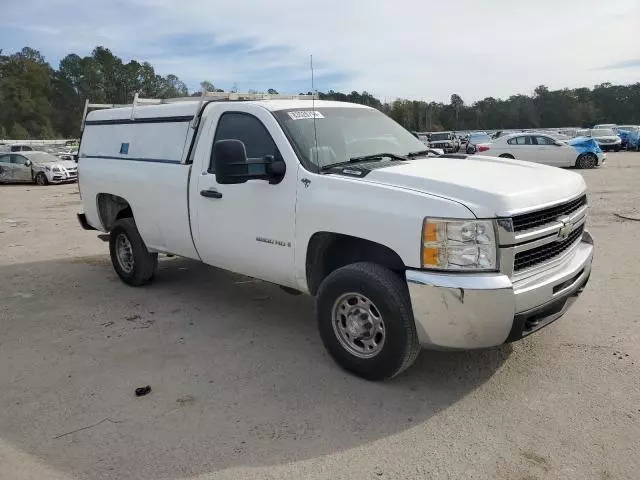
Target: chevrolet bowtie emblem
[(566, 229)]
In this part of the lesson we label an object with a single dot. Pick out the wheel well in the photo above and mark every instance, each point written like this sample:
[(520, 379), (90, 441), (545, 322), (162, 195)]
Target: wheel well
[(112, 208), (327, 252), (507, 155)]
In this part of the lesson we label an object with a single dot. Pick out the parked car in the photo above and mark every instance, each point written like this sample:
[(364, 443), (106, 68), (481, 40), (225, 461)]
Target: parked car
[(478, 142), (39, 167), (541, 148), (338, 201), (626, 133), (612, 126), (606, 138), (447, 141), (16, 147)]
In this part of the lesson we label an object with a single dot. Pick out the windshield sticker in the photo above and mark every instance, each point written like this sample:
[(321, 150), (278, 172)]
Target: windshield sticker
[(304, 114)]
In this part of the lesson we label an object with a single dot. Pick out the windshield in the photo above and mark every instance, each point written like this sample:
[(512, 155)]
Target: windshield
[(602, 132), (43, 157), (344, 133), (479, 138), (440, 136)]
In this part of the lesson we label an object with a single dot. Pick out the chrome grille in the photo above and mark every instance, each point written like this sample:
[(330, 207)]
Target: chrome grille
[(547, 215), (530, 258)]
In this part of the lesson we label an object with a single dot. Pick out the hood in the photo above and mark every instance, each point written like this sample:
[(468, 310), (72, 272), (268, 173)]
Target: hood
[(486, 185), (60, 163), (612, 138), (585, 144)]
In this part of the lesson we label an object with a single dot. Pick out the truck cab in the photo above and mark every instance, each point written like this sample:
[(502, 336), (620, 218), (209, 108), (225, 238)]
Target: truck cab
[(403, 250)]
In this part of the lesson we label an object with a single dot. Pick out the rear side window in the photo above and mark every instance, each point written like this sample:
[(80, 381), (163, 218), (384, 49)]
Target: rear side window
[(543, 141), (522, 140), (250, 131)]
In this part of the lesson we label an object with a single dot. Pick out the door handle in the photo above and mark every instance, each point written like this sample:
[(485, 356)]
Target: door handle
[(210, 193)]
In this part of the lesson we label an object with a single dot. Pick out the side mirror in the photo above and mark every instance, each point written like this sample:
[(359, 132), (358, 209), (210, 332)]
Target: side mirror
[(231, 162), (233, 166), (28, 163)]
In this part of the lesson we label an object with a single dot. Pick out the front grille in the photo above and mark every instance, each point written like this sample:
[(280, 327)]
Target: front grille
[(537, 255), (548, 215)]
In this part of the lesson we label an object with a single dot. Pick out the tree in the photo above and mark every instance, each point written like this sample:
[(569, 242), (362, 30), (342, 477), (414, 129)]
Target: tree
[(18, 132), (457, 104), (38, 101), (272, 91)]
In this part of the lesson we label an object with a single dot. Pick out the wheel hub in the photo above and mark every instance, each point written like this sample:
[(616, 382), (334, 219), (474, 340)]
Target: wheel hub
[(124, 252), (358, 325)]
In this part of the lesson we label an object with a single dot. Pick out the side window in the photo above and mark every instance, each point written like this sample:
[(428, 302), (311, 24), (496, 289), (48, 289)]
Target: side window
[(543, 141), (522, 140), (17, 159), (250, 131), (528, 140), (5, 158), (513, 141)]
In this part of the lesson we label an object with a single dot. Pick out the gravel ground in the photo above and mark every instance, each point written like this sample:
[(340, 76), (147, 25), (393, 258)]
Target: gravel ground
[(242, 387)]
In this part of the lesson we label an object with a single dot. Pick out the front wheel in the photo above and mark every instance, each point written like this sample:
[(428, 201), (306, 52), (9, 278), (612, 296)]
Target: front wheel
[(129, 255), (616, 148), (366, 321), (41, 179), (507, 155), (587, 160)]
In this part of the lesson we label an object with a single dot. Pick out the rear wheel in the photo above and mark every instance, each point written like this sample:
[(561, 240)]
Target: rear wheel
[(41, 179), (131, 260), (616, 148), (587, 160), (507, 155), (366, 321)]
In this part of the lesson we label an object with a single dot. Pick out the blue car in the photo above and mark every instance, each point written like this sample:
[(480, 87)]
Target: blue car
[(629, 134)]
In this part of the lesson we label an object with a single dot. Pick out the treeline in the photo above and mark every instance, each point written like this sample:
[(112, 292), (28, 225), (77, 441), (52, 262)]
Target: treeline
[(39, 101)]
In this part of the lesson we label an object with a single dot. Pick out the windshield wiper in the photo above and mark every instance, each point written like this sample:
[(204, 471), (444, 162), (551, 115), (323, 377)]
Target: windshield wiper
[(422, 153), (367, 158), (376, 156)]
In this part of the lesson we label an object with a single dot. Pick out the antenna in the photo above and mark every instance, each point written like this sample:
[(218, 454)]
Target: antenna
[(313, 107)]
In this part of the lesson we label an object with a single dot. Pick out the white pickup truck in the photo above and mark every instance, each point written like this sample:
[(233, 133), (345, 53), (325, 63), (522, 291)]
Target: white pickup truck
[(402, 250)]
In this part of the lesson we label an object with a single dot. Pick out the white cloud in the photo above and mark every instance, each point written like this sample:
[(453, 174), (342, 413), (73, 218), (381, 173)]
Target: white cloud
[(406, 48)]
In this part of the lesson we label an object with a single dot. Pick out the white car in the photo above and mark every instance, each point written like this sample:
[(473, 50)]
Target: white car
[(606, 138), (542, 148), (39, 167)]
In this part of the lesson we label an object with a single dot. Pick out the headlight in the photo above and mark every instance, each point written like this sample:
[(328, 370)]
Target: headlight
[(459, 245)]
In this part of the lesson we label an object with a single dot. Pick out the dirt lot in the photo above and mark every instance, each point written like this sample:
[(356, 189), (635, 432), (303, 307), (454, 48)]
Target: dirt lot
[(242, 387)]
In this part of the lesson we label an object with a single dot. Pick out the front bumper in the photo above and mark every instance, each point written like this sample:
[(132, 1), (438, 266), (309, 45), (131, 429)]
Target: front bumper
[(464, 311), (602, 157)]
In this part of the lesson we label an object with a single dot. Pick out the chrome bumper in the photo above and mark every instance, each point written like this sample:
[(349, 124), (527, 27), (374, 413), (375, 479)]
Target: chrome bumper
[(466, 311)]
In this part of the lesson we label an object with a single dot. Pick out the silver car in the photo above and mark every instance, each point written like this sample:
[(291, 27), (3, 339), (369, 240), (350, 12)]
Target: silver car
[(39, 167)]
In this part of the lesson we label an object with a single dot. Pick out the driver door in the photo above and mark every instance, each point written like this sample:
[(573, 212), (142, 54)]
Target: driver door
[(247, 228), (21, 172)]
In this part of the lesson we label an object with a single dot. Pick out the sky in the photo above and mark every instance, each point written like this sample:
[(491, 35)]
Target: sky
[(414, 49)]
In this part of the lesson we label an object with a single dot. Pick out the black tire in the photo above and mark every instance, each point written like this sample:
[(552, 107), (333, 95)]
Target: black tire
[(616, 148), (587, 160), (41, 179), (143, 264), (471, 150), (507, 155), (389, 294)]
